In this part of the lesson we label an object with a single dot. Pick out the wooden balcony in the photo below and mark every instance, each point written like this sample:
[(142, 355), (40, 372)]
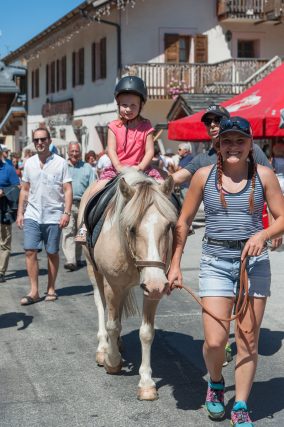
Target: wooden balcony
[(166, 81), (274, 10), (234, 10)]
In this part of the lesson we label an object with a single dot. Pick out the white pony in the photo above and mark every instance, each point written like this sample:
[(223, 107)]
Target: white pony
[(134, 247)]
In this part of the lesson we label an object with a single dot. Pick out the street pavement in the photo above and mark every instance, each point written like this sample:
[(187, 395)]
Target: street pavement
[(48, 374)]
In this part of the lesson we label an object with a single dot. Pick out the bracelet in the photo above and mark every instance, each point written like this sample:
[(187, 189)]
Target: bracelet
[(67, 213)]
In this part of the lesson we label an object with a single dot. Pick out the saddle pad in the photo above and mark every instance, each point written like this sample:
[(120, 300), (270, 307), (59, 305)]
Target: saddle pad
[(96, 206)]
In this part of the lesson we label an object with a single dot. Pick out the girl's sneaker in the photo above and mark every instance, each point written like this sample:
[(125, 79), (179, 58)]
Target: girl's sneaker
[(81, 236), (215, 399), (240, 416)]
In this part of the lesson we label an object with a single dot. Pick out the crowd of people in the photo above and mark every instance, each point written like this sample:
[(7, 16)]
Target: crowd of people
[(233, 179)]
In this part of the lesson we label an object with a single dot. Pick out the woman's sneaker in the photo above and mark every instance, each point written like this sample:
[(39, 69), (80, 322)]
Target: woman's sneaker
[(240, 416), (81, 236), (215, 399)]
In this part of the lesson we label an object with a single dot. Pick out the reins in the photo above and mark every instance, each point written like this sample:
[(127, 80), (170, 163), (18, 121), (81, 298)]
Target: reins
[(242, 303)]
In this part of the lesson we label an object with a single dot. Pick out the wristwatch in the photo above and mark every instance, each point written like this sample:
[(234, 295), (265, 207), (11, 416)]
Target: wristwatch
[(67, 213)]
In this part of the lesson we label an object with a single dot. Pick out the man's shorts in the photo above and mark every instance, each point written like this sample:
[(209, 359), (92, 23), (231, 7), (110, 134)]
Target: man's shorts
[(219, 276), (35, 234)]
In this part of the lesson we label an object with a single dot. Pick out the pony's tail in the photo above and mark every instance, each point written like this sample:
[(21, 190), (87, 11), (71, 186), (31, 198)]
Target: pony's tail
[(130, 306)]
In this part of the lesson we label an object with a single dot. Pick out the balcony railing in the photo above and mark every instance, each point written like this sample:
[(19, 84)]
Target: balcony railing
[(240, 9), (161, 78)]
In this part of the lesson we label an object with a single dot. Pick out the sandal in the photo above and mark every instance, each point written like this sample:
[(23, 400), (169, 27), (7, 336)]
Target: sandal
[(28, 300), (51, 297)]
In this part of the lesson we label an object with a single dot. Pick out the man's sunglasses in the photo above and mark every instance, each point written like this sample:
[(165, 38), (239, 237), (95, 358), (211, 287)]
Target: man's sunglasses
[(36, 140), (215, 119), (235, 123)]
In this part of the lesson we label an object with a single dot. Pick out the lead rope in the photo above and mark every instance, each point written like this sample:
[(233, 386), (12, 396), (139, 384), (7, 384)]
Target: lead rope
[(242, 302)]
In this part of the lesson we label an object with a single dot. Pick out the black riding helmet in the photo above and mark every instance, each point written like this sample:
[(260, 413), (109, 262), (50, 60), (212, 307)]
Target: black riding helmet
[(131, 84)]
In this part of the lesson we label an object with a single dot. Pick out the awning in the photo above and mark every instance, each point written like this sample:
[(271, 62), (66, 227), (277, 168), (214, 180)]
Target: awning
[(261, 104)]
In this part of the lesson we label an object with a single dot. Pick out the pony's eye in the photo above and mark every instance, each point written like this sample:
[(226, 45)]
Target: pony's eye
[(132, 230)]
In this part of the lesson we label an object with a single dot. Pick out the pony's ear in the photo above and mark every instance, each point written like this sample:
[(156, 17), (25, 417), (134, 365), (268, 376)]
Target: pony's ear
[(126, 190), (167, 186)]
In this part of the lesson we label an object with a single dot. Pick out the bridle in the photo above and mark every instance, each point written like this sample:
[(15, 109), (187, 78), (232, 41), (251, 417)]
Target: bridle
[(140, 264)]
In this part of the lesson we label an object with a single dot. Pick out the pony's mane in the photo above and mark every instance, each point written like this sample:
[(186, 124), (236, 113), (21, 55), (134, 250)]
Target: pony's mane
[(129, 215)]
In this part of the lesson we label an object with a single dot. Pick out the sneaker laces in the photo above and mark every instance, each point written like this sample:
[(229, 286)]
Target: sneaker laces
[(240, 416), (214, 395)]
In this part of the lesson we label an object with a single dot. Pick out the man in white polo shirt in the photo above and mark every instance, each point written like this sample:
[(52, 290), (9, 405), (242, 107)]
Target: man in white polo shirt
[(47, 192)]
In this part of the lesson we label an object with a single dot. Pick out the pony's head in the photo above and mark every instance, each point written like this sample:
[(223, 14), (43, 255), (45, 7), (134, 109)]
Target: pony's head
[(146, 218)]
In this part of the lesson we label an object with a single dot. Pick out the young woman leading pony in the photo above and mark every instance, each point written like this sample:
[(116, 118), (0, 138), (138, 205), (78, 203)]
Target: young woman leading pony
[(233, 192)]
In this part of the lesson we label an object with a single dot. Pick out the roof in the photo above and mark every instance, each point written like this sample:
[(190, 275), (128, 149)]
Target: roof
[(7, 84), (71, 17), (13, 113)]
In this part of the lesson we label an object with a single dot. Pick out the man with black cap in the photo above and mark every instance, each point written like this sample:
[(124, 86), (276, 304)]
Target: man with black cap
[(211, 119)]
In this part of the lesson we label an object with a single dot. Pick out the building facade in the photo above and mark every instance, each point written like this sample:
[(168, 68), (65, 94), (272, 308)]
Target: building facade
[(184, 46)]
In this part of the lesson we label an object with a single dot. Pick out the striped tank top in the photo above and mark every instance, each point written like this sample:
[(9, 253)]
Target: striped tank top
[(235, 222)]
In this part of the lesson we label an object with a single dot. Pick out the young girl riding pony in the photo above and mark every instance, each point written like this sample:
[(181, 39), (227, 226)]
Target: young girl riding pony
[(130, 139), (233, 192)]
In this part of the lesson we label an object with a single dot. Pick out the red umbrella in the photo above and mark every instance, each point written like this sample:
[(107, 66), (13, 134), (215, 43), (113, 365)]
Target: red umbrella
[(261, 104)]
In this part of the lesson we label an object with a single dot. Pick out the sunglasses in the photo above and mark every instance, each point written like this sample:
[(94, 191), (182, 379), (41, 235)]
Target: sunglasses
[(36, 140), (216, 120), (235, 123)]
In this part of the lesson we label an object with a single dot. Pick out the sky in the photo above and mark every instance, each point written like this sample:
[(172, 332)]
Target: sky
[(21, 20)]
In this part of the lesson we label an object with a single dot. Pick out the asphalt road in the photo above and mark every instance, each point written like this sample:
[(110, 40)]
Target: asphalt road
[(48, 374)]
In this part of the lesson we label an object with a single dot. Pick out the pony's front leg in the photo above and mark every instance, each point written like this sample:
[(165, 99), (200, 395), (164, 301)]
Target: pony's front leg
[(113, 360), (147, 387), (102, 336), (98, 285)]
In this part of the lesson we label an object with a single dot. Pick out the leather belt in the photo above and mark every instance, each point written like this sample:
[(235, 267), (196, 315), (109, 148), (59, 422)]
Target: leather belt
[(229, 244)]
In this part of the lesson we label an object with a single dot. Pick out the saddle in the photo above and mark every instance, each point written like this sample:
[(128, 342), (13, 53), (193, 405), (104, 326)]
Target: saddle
[(96, 206)]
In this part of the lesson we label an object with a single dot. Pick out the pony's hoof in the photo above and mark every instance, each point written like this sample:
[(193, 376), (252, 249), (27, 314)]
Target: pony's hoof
[(100, 358), (113, 370), (147, 393)]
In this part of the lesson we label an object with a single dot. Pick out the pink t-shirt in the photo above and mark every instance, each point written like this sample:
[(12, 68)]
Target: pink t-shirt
[(131, 149)]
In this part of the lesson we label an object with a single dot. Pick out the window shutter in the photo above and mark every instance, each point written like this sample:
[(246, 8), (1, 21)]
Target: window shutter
[(171, 47), (73, 69), (63, 73), (52, 75), (37, 82), (94, 65), (201, 48), (47, 79), (57, 75), (33, 84), (81, 65), (103, 62)]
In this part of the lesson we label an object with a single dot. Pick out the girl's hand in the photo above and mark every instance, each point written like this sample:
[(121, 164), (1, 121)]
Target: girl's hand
[(174, 278), (254, 245)]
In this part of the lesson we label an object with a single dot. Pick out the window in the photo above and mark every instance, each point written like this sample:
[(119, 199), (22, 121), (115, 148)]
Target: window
[(99, 60), (102, 133), (177, 48), (248, 48), (78, 67)]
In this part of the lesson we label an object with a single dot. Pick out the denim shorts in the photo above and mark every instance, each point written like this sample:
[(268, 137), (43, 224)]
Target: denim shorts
[(35, 234), (219, 276)]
